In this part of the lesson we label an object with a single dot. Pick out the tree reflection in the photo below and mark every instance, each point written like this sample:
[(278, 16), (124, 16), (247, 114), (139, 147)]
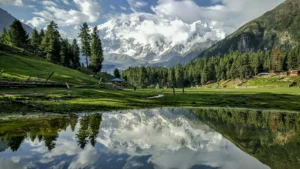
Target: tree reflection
[(14, 142), (271, 137), (42, 129), (47, 130), (89, 130)]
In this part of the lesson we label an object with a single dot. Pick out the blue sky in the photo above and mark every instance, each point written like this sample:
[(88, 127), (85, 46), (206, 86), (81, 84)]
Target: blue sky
[(226, 15), (27, 10)]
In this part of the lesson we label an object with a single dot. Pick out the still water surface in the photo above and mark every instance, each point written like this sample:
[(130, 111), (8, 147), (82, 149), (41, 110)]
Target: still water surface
[(153, 139)]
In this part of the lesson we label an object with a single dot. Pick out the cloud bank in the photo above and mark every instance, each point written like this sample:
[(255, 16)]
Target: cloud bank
[(87, 11), (11, 2)]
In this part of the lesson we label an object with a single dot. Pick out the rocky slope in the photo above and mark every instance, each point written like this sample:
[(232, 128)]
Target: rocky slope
[(7, 19), (278, 28)]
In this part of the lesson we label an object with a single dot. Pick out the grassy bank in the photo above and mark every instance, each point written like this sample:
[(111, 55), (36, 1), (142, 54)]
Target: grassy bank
[(77, 100), (19, 66)]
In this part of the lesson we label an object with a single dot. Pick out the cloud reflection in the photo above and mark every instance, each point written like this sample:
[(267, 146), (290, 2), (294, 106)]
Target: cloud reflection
[(157, 138)]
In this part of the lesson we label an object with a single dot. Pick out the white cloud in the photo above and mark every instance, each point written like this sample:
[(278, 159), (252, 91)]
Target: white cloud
[(11, 2), (112, 7), (136, 4), (88, 11), (233, 12), (36, 22), (48, 3), (123, 8), (65, 2)]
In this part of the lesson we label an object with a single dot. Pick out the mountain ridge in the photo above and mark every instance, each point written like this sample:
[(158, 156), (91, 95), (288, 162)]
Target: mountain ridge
[(274, 29), (7, 19)]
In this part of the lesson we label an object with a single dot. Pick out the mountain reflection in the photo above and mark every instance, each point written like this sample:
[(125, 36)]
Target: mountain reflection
[(155, 138)]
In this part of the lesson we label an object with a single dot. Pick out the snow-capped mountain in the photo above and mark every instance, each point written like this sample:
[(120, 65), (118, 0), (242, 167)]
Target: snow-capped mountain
[(150, 39)]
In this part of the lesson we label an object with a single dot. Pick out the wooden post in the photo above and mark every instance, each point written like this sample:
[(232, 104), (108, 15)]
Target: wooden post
[(48, 78), (27, 81), (68, 87), (1, 72)]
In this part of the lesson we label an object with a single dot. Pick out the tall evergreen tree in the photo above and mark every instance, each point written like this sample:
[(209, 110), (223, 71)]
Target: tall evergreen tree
[(35, 39), (42, 33), (180, 76), (276, 60), (75, 55), (254, 62), (17, 35), (42, 36), (292, 60), (96, 51), (65, 53), (172, 79), (85, 42), (4, 37), (51, 43), (117, 73)]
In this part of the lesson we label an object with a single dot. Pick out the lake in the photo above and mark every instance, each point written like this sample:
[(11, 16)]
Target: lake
[(163, 138)]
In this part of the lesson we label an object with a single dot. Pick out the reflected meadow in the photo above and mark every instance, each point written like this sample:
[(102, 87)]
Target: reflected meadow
[(153, 138)]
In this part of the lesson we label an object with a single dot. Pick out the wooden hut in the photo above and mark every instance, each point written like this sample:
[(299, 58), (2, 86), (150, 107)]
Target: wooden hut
[(294, 73), (117, 83)]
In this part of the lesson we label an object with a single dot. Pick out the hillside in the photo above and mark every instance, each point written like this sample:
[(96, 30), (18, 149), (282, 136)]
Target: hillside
[(18, 67), (278, 28), (7, 19)]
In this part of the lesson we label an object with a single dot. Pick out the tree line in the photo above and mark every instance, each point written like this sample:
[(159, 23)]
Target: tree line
[(214, 69), (50, 45)]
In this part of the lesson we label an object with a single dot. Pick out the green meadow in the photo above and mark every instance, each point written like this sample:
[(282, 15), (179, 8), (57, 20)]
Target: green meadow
[(83, 100)]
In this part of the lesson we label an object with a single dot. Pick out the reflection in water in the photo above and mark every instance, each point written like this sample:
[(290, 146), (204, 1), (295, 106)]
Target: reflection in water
[(271, 137), (156, 138)]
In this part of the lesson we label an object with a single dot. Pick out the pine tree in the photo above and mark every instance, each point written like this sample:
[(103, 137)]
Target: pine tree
[(42, 33), (51, 43), (42, 36), (65, 53), (292, 60), (180, 76), (85, 42), (96, 51), (276, 60), (17, 35), (75, 55), (4, 37), (117, 73), (172, 79), (35, 39), (255, 63)]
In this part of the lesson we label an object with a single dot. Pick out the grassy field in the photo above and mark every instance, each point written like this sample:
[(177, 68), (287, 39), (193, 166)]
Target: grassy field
[(78, 100), (18, 67)]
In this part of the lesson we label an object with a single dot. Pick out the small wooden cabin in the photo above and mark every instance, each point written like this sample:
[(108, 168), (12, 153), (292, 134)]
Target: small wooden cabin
[(117, 83), (294, 73)]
